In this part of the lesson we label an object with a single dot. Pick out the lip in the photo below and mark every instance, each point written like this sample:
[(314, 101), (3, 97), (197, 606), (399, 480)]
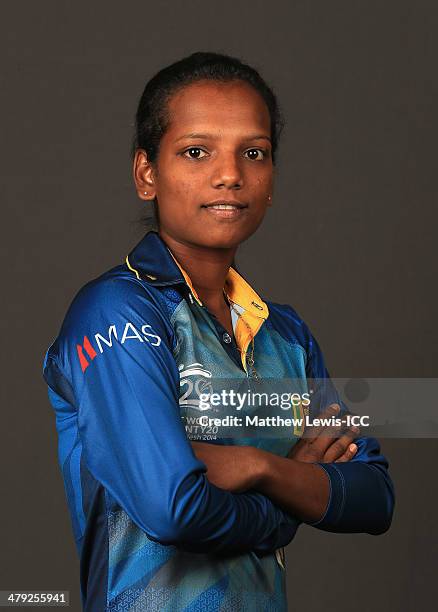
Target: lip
[(228, 202), (226, 214)]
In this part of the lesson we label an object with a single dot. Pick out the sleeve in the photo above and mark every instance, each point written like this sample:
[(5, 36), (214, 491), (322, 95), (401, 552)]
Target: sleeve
[(362, 496), (114, 356)]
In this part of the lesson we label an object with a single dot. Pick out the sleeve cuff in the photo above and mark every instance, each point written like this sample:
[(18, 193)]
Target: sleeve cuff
[(336, 501)]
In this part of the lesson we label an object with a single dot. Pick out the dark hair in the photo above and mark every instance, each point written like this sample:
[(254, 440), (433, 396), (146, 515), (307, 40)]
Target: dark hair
[(152, 116)]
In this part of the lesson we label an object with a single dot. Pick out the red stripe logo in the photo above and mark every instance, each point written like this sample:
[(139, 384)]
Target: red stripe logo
[(89, 350)]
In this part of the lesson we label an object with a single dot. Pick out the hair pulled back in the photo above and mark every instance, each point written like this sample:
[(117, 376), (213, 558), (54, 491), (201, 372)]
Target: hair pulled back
[(152, 116)]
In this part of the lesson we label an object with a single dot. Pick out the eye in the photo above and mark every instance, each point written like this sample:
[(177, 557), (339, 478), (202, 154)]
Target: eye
[(255, 158), (191, 150)]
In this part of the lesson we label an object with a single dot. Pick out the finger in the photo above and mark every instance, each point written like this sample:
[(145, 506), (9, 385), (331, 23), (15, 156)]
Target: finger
[(348, 455), (327, 433), (340, 445), (311, 433)]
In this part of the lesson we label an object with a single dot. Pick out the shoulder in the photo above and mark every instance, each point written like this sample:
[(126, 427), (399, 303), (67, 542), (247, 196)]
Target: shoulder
[(115, 305), (286, 320)]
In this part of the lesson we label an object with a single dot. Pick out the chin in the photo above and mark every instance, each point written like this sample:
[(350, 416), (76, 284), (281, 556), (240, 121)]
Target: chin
[(223, 238)]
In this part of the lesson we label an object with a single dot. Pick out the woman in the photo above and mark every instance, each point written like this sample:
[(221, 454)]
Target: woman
[(163, 521)]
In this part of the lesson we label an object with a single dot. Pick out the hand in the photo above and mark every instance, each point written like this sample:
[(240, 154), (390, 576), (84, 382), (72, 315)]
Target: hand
[(233, 468), (323, 446)]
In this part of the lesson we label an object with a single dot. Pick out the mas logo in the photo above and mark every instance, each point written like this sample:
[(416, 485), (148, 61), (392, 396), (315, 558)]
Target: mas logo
[(87, 352)]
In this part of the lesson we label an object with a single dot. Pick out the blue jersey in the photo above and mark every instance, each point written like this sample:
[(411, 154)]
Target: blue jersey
[(151, 531)]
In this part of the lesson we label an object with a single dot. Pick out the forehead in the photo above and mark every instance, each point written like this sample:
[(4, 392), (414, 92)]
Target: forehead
[(234, 105)]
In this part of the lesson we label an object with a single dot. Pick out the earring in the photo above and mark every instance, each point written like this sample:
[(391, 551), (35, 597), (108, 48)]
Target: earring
[(145, 192), (269, 197)]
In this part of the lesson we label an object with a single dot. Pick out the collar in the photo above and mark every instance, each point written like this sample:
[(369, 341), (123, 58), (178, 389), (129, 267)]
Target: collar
[(153, 261)]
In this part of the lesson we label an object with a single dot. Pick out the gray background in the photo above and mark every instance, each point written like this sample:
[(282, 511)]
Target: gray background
[(348, 242)]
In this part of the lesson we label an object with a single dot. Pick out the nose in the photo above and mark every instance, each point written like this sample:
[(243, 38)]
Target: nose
[(227, 172)]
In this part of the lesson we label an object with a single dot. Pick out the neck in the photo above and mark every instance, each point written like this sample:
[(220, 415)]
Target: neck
[(207, 268)]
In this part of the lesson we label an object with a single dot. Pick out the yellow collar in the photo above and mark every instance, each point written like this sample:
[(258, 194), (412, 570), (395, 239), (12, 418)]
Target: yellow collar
[(253, 313), (237, 289)]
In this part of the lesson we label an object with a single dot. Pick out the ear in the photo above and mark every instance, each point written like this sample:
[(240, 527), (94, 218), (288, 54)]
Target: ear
[(143, 175)]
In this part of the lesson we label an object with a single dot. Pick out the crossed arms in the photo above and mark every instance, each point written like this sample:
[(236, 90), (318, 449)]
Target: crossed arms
[(122, 411), (306, 482)]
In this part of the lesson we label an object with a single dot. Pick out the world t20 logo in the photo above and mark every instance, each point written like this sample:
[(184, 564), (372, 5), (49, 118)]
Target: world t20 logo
[(194, 380)]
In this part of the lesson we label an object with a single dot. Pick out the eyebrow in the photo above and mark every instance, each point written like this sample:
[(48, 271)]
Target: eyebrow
[(211, 137)]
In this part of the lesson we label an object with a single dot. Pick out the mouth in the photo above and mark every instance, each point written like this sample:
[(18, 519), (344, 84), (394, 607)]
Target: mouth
[(225, 209)]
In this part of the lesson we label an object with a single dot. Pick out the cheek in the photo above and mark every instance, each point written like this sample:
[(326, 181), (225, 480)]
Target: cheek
[(188, 189), (182, 185), (179, 197), (260, 185)]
